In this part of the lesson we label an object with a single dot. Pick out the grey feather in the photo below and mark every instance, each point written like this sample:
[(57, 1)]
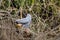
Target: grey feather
[(25, 21)]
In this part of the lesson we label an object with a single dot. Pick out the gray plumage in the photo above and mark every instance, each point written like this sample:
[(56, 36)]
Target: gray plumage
[(25, 21)]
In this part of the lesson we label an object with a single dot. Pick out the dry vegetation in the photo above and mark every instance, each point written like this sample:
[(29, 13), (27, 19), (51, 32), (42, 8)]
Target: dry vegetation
[(45, 23)]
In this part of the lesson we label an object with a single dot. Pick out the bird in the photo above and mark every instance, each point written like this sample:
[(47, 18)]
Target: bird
[(24, 22)]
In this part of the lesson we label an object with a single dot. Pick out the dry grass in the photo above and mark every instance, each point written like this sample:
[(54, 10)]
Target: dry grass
[(43, 26), (39, 30)]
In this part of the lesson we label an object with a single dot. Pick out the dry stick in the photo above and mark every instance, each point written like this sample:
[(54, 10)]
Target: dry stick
[(0, 2), (9, 3), (1, 29), (30, 9), (21, 12), (3, 11), (53, 29)]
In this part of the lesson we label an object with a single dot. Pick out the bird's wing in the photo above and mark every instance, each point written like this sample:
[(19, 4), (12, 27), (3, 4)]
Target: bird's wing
[(22, 21)]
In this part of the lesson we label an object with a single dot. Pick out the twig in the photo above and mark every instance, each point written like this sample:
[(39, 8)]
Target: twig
[(0, 2)]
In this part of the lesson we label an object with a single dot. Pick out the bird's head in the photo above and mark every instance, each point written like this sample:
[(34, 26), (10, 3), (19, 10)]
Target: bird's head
[(28, 16)]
